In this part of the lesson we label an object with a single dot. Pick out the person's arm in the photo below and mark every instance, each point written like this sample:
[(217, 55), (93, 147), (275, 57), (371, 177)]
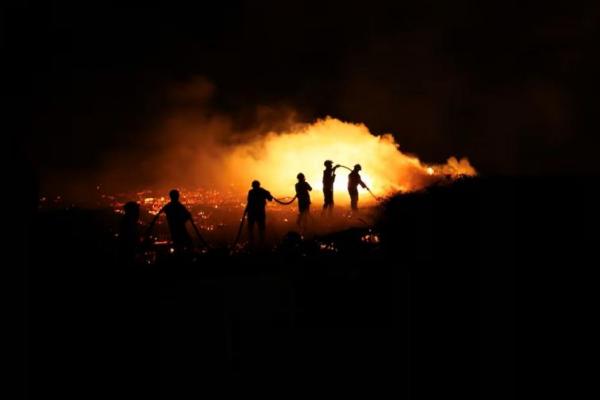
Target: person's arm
[(362, 184), (269, 197), (308, 186)]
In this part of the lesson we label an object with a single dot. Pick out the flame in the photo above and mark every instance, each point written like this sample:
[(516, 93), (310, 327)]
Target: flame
[(277, 157)]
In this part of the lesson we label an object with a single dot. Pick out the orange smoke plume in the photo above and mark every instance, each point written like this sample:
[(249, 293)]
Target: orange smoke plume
[(276, 158)]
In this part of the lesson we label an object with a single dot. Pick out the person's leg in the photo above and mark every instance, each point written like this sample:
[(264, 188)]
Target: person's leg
[(181, 240), (251, 230), (354, 200), (262, 225), (328, 203), (188, 242), (305, 219)]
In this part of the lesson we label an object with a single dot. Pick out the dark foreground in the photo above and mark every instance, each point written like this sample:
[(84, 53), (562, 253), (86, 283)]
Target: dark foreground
[(427, 311)]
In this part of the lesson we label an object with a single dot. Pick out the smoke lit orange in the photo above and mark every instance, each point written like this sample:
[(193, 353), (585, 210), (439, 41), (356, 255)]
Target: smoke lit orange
[(276, 158)]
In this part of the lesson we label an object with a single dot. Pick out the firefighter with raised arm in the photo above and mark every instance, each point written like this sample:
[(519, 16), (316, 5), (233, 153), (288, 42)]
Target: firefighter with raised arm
[(328, 181)]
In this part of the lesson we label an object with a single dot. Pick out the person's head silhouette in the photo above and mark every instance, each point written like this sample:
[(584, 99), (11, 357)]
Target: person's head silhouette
[(174, 195), (132, 209), (357, 167), (300, 177), (255, 184), (328, 163)]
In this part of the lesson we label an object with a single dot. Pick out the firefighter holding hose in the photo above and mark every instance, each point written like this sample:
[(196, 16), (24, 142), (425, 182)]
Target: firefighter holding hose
[(255, 208), (177, 216), (302, 194), (354, 180)]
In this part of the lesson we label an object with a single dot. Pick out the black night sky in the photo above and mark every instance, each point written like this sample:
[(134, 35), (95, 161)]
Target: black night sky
[(509, 85), (431, 286)]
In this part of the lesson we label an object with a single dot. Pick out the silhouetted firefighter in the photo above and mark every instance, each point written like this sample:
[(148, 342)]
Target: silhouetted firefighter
[(255, 207), (353, 181), (328, 181), (177, 216), (129, 233), (302, 189)]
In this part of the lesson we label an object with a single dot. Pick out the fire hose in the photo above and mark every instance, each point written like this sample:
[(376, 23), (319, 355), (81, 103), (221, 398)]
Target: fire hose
[(285, 203), (373, 194), (343, 166), (239, 234)]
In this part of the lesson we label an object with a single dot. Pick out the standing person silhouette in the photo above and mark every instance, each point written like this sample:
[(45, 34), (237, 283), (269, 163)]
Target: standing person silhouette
[(129, 233), (354, 180), (328, 181), (255, 207), (177, 216), (302, 192)]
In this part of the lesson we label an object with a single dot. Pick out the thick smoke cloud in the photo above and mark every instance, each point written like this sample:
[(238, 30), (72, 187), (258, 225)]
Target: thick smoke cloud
[(195, 146)]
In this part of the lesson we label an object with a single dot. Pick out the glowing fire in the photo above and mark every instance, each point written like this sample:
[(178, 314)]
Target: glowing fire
[(276, 158), (217, 173), (214, 176)]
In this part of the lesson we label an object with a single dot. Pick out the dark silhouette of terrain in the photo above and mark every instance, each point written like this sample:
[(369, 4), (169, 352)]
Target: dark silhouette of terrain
[(422, 303)]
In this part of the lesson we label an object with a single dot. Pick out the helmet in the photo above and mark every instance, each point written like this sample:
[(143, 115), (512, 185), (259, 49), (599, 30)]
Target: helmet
[(328, 162), (357, 167), (255, 184), (300, 176)]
